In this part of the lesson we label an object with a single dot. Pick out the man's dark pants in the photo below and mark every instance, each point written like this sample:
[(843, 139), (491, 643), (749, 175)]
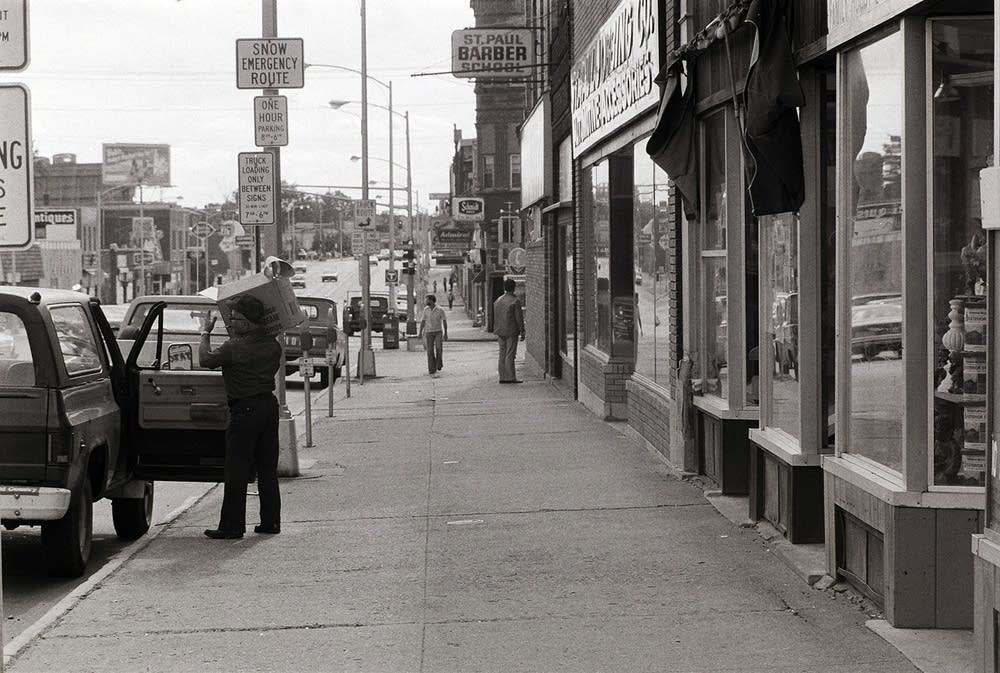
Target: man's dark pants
[(505, 362), (435, 351), (251, 439)]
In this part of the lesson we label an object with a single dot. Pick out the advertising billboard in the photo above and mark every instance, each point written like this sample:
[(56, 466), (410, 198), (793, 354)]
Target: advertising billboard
[(130, 164), (492, 53)]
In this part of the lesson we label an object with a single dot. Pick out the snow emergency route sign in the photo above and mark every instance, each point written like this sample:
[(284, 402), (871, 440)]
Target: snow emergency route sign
[(270, 121), (493, 53), (256, 197), (16, 218), (270, 63)]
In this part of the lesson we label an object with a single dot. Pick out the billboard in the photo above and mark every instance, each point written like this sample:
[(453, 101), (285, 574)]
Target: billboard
[(130, 164), (492, 53)]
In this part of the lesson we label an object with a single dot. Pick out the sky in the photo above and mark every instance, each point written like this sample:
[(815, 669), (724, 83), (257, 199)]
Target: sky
[(163, 71)]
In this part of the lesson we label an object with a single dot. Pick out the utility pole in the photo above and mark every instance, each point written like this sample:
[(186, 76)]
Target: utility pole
[(288, 458), (366, 358), (392, 210), (411, 319)]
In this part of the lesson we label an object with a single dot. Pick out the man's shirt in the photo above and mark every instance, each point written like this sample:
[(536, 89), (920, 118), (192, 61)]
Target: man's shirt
[(434, 319), (248, 363), (508, 320)]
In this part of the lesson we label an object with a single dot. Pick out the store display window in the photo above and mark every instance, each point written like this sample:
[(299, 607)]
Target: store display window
[(567, 332), (599, 317), (714, 282), (960, 103), (779, 356), (872, 126), (649, 239)]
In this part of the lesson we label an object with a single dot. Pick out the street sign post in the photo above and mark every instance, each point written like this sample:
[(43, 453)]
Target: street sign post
[(14, 52), (364, 211), (270, 63), (270, 121), (202, 230), (16, 204), (256, 197)]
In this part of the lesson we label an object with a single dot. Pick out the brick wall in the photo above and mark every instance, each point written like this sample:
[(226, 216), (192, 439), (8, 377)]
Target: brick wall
[(539, 304), (649, 414)]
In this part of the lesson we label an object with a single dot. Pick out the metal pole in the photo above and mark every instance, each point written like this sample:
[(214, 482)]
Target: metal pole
[(305, 382), (288, 460), (411, 320), (392, 210), (142, 243), (366, 334)]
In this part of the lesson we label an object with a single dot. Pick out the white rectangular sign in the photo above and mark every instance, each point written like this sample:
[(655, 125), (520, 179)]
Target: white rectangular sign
[(132, 164), (16, 218), (256, 197), (364, 211), (14, 53), (612, 81), (270, 121), (270, 63), (363, 243), (493, 53), (468, 209)]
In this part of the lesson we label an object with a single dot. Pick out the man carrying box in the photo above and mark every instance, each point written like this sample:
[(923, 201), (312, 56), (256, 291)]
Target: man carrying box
[(249, 360)]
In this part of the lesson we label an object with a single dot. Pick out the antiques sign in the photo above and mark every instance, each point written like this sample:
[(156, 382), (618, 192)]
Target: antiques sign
[(849, 18), (612, 80)]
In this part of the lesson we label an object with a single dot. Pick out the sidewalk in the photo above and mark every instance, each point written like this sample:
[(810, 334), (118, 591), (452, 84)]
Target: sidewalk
[(454, 524)]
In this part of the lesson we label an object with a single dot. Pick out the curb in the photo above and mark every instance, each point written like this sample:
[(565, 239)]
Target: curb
[(114, 564)]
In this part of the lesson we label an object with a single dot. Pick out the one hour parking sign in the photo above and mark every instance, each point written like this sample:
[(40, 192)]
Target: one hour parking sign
[(270, 121), (16, 218)]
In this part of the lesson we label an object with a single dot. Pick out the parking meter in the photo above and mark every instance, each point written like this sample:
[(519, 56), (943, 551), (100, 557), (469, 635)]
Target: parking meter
[(306, 341)]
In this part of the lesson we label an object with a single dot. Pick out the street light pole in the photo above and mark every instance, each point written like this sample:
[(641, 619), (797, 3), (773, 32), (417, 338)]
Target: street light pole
[(392, 212), (366, 358), (411, 319)]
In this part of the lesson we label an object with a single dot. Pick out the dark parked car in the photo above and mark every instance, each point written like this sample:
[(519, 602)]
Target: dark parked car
[(354, 313), (321, 321)]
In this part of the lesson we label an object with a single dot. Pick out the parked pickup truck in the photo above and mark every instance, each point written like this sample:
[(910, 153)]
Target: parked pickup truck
[(80, 422), (321, 323)]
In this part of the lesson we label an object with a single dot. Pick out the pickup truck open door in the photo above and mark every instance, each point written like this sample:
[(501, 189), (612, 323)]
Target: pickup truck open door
[(177, 412)]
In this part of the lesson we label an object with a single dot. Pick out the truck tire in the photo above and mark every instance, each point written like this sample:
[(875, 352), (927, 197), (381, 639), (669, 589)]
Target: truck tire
[(66, 542), (133, 516)]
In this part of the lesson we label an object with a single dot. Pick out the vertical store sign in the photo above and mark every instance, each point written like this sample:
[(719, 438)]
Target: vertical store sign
[(16, 218), (612, 81), (256, 195), (13, 35)]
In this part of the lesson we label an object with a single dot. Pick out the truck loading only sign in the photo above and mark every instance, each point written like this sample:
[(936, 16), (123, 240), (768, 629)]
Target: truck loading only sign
[(16, 221), (491, 53), (256, 196)]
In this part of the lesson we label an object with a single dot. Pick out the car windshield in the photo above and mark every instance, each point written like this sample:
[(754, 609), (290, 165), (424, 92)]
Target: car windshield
[(180, 318)]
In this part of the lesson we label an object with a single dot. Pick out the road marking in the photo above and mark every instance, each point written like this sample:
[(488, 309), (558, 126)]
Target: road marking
[(465, 522), (68, 602)]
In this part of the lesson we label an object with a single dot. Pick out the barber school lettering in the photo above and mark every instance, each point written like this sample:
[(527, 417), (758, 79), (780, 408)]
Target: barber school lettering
[(493, 52)]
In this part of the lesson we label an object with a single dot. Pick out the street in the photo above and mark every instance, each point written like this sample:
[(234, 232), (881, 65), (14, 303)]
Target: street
[(29, 592)]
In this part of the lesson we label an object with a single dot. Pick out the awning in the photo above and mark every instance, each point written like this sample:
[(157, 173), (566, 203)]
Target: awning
[(672, 145), (772, 96)]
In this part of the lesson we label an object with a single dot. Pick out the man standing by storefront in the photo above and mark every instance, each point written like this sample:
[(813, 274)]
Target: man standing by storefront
[(249, 361), (434, 330), (508, 325)]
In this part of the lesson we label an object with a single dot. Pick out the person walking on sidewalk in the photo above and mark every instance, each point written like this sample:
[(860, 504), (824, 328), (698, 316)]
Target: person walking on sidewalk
[(451, 300), (434, 330), (508, 325), (249, 361)]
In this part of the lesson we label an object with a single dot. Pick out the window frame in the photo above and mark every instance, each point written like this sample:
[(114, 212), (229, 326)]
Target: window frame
[(488, 159), (512, 172), (83, 374)]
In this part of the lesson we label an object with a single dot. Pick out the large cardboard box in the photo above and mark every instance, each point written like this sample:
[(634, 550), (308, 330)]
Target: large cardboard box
[(273, 288)]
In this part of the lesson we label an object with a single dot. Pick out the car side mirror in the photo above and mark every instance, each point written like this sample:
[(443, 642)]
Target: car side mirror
[(180, 357)]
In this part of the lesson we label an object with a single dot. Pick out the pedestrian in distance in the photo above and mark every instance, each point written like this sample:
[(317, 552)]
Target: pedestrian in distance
[(434, 330), (451, 300), (508, 325), (435, 286), (249, 360)]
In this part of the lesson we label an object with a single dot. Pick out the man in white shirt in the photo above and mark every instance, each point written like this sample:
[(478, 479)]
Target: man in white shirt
[(434, 330)]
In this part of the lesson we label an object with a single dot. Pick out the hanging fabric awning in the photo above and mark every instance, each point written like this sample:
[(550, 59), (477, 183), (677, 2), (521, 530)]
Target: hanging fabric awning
[(772, 96), (672, 145)]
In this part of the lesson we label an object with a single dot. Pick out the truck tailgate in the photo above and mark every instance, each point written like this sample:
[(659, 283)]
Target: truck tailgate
[(23, 434)]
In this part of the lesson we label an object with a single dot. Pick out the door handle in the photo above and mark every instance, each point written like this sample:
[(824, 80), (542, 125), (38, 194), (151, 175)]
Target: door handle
[(187, 390), (156, 389)]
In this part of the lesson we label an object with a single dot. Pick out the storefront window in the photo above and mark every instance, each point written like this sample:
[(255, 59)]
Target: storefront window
[(568, 332), (779, 356), (715, 337), (873, 128), (599, 333), (649, 238), (961, 105)]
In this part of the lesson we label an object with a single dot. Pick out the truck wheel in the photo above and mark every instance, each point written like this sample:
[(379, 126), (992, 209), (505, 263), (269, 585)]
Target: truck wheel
[(133, 516), (66, 542)]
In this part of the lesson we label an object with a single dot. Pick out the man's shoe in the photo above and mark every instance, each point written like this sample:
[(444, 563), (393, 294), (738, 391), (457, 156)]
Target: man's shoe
[(219, 534), (272, 529)]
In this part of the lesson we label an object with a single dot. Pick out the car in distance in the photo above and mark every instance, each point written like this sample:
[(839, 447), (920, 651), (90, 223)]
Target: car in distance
[(321, 323), (329, 278), (877, 326), (114, 313), (354, 313), (298, 282), (299, 267)]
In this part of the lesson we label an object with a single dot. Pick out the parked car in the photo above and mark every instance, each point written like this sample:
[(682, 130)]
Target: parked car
[(298, 282), (182, 316), (114, 313), (321, 322), (354, 313), (383, 254), (82, 422), (329, 278), (299, 267)]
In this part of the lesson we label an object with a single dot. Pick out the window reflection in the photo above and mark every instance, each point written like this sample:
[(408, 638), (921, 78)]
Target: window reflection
[(715, 338), (780, 354), (961, 104), (16, 365), (600, 332), (873, 127)]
